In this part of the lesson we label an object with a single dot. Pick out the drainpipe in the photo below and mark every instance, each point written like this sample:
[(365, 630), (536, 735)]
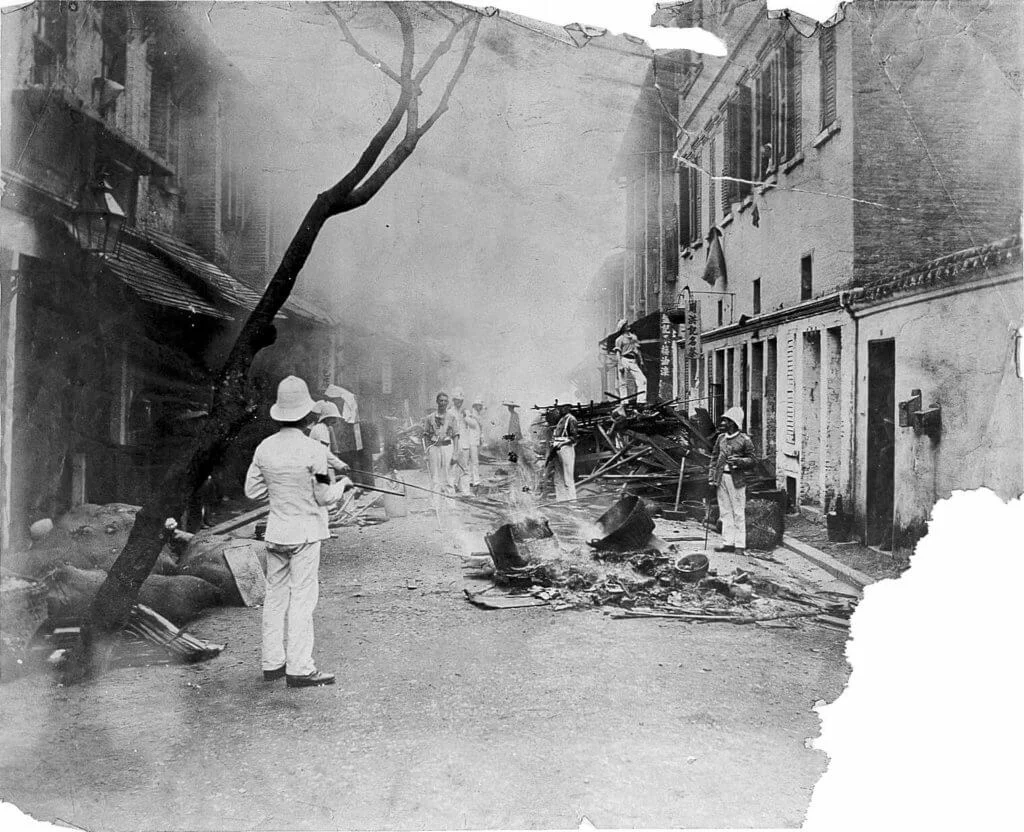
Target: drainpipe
[(845, 296)]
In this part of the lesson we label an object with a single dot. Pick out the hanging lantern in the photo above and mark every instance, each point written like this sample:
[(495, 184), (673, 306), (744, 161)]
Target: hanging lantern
[(99, 219)]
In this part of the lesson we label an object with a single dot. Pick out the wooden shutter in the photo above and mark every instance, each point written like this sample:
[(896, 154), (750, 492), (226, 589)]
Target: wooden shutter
[(764, 120), (685, 174), (697, 186), (827, 61), (713, 168), (732, 153), (744, 149), (791, 388), (794, 108)]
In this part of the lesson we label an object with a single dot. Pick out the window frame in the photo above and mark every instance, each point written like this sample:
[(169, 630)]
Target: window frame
[(807, 276), (777, 106)]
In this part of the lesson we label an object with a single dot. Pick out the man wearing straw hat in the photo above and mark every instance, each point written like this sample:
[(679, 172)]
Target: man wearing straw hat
[(290, 470)]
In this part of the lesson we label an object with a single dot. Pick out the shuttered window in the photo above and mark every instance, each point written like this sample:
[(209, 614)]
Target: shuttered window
[(713, 168), (744, 151), (791, 388), (827, 68), (729, 192), (777, 108), (686, 178), (794, 108)]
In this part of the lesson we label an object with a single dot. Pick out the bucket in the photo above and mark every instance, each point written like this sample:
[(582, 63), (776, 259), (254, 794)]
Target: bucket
[(395, 505)]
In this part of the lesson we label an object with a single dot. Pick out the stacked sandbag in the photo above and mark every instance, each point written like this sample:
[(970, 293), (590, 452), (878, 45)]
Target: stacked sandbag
[(89, 536), (179, 598)]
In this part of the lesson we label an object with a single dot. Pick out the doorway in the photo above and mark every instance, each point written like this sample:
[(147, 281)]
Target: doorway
[(881, 446)]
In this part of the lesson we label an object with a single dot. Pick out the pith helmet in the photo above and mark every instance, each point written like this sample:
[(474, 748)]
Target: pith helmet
[(293, 400), (734, 415)]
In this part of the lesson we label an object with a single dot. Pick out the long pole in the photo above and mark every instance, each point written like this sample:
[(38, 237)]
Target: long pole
[(468, 500)]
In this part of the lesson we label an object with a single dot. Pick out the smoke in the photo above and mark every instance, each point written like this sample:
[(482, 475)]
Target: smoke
[(488, 239)]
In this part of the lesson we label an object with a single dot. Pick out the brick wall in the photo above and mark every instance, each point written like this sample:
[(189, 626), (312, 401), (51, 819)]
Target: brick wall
[(938, 130), (201, 138)]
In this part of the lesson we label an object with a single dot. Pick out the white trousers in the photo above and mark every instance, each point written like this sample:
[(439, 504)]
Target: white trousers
[(565, 473), (439, 458), (461, 473), (732, 506), (629, 368), (474, 465), (293, 588)]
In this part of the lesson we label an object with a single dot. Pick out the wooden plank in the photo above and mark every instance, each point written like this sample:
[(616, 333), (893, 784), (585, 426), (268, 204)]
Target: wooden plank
[(241, 520), (245, 569)]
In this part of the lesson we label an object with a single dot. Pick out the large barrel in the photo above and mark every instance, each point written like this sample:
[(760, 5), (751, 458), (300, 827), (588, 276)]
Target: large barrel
[(626, 526)]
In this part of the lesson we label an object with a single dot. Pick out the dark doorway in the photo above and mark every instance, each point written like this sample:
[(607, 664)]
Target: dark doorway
[(881, 450)]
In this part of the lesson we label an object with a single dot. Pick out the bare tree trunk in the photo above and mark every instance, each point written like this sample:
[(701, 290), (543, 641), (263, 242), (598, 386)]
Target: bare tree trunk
[(231, 410)]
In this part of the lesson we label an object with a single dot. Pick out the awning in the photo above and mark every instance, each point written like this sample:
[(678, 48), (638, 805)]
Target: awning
[(222, 284), (230, 289), (153, 282)]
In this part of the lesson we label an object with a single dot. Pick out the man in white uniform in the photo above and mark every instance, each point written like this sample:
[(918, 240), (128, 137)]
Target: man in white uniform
[(290, 470)]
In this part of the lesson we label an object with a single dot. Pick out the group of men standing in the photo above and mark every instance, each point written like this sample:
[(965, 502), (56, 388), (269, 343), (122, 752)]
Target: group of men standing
[(302, 477), (452, 436)]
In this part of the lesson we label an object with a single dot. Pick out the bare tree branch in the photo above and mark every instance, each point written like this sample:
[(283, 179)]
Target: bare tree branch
[(442, 106), (376, 145), (358, 48), (442, 47), (362, 194)]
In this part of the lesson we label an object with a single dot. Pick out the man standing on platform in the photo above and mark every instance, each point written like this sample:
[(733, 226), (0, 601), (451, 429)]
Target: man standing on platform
[(631, 362)]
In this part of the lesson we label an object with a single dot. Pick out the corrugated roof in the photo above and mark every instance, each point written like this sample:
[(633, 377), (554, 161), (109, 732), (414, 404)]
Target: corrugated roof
[(154, 282)]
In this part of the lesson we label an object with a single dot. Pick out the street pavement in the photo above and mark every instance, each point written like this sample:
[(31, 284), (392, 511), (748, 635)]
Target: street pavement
[(445, 716)]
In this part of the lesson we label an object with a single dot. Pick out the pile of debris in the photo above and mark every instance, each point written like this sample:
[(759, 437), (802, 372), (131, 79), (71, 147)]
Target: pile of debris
[(653, 448), (632, 570)]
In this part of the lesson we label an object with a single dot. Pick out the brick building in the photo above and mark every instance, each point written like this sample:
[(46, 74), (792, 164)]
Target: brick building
[(811, 162), (109, 359)]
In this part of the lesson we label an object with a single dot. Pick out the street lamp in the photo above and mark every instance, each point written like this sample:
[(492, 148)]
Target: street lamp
[(98, 219)]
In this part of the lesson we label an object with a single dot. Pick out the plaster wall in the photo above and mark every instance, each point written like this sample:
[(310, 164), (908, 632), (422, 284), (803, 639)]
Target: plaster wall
[(957, 348)]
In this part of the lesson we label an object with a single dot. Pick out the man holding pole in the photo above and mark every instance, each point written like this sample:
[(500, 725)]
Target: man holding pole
[(290, 470)]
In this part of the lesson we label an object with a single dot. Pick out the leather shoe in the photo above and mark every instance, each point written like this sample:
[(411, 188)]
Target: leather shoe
[(272, 675), (725, 548), (312, 680), (741, 552)]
